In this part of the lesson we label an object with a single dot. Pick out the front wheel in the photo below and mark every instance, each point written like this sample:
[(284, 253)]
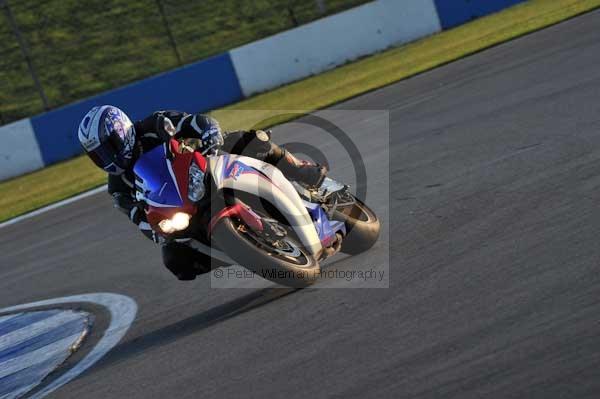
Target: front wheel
[(362, 227), (285, 262)]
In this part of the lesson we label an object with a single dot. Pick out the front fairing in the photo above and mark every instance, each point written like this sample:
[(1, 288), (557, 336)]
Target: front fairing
[(161, 181), (155, 180), (250, 175)]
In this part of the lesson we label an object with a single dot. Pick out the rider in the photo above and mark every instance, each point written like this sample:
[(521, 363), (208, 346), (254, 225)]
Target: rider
[(114, 143)]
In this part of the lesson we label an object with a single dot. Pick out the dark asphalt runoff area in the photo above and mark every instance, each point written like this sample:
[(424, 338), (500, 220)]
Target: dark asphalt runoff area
[(493, 222)]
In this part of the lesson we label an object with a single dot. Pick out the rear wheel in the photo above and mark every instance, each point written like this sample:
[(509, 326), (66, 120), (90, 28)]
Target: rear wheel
[(362, 227), (283, 261)]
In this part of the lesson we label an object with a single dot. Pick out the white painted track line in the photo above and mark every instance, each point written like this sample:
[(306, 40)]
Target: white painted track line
[(122, 310), (38, 328), (56, 350)]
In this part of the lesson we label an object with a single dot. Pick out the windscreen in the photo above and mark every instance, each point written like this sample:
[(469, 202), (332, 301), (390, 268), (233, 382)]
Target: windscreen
[(155, 180)]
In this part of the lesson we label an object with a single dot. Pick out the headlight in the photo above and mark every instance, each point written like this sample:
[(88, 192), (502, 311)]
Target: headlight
[(179, 221), (196, 189)]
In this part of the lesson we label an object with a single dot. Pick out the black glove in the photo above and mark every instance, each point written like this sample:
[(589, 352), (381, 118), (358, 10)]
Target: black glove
[(129, 206), (137, 214), (151, 234)]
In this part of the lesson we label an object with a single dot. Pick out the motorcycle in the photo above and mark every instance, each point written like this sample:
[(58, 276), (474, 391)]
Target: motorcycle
[(240, 210)]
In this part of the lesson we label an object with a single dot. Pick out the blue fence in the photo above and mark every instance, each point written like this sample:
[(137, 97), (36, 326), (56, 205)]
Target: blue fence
[(200, 86), (456, 12)]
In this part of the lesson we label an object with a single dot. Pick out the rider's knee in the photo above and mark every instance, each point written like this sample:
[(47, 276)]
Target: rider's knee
[(182, 261)]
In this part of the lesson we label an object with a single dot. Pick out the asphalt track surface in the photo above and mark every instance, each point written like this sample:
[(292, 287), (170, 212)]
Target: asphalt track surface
[(494, 226)]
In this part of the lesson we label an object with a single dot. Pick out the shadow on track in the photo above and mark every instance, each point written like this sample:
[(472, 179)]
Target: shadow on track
[(191, 325), (194, 324)]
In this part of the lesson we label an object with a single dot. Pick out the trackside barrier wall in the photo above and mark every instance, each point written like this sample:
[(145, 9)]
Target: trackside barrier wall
[(19, 151), (203, 85), (31, 144), (329, 42)]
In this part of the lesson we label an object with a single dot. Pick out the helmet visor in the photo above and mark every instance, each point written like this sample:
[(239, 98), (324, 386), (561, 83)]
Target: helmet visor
[(105, 157)]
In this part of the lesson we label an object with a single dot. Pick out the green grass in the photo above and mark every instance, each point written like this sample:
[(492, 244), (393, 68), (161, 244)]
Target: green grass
[(71, 177), (81, 48)]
